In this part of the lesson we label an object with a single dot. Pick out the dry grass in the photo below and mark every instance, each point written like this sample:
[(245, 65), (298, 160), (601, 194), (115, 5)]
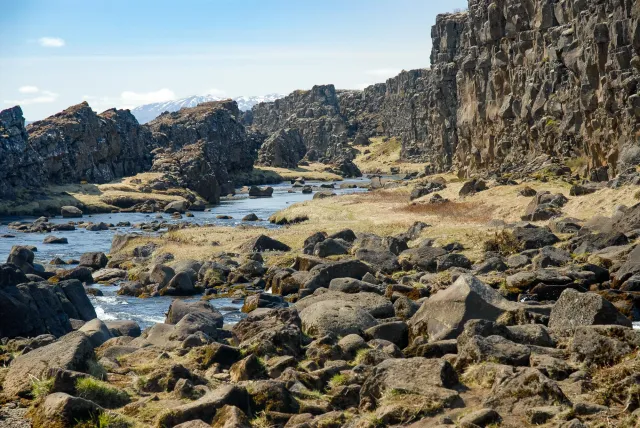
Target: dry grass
[(389, 212), (466, 212), (315, 171), (382, 155), (94, 197)]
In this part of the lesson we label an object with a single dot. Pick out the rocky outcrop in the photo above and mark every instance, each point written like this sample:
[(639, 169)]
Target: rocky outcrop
[(14, 153), (542, 77), (314, 115), (202, 147), (78, 144), (284, 148), (507, 78), (74, 145)]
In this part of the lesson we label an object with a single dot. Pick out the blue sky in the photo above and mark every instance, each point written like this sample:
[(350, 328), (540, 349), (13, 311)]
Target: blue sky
[(116, 53)]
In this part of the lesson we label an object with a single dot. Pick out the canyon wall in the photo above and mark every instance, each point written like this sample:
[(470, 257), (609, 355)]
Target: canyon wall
[(199, 148), (73, 145), (509, 80)]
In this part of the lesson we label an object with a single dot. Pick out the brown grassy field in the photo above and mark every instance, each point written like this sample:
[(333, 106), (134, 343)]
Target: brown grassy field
[(388, 212)]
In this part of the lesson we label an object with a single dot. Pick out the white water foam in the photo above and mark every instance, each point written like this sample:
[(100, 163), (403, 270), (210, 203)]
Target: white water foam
[(103, 315)]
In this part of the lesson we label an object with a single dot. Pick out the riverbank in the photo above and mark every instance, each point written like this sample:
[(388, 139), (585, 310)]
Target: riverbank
[(340, 317)]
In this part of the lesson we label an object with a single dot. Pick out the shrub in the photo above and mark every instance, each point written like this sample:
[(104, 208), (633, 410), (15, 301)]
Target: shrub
[(503, 242)]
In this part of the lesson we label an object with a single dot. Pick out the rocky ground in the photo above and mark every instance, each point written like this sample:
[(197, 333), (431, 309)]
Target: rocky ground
[(428, 301)]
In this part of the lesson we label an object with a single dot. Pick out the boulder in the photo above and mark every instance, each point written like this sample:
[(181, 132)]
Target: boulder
[(376, 305), (322, 275), (95, 260), (22, 257), (229, 417), (276, 332), (351, 286), (62, 408), (250, 217), (264, 243), (494, 348), (574, 309), (70, 352), (396, 332), (419, 376), (206, 407), (179, 309), (534, 237), (70, 212), (176, 207), (424, 258), (335, 317), (77, 295), (443, 315), (259, 192), (97, 332), (55, 240), (379, 260), (123, 328), (331, 247), (472, 186)]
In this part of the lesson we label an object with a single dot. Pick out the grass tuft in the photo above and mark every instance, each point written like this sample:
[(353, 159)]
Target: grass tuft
[(101, 393)]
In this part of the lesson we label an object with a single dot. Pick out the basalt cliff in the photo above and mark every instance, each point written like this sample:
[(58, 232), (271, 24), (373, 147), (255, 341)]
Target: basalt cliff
[(198, 148), (509, 80)]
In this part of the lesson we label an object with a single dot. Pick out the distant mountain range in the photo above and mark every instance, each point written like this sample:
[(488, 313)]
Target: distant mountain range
[(148, 112)]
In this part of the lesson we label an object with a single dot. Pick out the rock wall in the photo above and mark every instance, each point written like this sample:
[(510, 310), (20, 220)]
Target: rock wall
[(509, 80), (315, 115), (202, 147), (15, 162), (78, 144), (554, 77)]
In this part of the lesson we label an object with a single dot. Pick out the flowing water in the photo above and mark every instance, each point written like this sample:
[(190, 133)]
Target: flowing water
[(150, 311)]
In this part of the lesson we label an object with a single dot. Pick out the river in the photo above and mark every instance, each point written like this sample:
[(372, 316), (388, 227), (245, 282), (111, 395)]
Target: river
[(149, 311)]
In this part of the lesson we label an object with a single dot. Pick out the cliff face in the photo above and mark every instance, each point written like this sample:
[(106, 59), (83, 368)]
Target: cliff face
[(15, 163), (201, 147), (316, 117), (553, 77), (78, 144), (510, 80)]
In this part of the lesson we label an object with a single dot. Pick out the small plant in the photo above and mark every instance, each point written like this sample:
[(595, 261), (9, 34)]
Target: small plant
[(101, 393), (503, 242), (361, 354), (261, 421), (111, 420), (338, 380), (41, 387)]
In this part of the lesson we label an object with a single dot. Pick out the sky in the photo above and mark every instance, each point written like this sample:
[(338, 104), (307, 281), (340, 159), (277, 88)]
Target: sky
[(125, 53)]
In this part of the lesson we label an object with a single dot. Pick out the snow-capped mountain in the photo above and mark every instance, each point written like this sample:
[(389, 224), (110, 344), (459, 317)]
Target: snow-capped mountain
[(148, 112)]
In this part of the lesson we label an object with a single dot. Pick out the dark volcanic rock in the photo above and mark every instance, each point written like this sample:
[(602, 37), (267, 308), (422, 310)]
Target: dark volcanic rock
[(73, 145), (202, 147), (283, 149)]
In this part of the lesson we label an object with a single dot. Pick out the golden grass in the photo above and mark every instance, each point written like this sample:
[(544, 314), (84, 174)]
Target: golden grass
[(315, 171), (389, 212), (381, 156), (94, 197)]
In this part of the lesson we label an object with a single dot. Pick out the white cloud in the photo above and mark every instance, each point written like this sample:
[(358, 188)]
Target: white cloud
[(51, 42), (216, 92), (384, 72), (44, 98), (28, 89), (133, 99)]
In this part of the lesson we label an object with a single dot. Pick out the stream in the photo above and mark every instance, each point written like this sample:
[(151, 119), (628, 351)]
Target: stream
[(149, 311)]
